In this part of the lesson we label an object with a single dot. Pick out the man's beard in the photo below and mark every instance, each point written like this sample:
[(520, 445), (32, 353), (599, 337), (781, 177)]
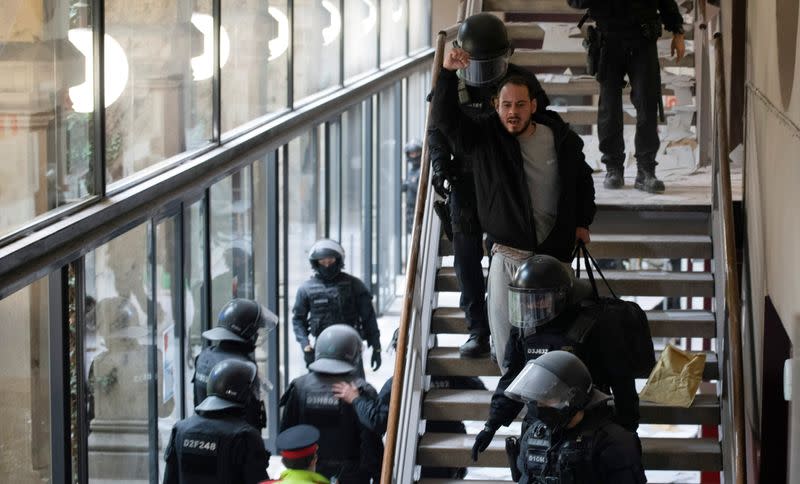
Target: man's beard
[(521, 130)]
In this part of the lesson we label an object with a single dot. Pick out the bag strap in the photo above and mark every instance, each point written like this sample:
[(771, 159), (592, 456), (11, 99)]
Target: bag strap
[(581, 250)]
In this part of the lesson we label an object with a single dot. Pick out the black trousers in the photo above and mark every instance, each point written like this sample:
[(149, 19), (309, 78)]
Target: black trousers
[(638, 58)]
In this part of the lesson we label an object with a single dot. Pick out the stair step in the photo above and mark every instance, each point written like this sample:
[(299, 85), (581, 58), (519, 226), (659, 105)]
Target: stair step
[(531, 6), (453, 450), (474, 405), (625, 246), (534, 31), (587, 115), (625, 283), (582, 87), (663, 324), (555, 58), (446, 360)]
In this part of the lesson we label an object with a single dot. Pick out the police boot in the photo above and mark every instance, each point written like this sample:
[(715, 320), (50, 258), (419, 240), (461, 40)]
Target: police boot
[(477, 346), (646, 180), (614, 177)]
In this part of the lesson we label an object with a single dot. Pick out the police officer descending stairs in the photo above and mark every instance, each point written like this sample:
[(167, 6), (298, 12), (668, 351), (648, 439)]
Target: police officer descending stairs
[(672, 241)]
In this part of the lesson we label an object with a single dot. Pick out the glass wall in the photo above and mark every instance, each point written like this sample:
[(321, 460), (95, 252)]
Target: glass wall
[(388, 174), (231, 240), (394, 30), (353, 192), (419, 25), (361, 32), (254, 55), (25, 379), (195, 295), (303, 223), (121, 360), (157, 81), (317, 45), (46, 104)]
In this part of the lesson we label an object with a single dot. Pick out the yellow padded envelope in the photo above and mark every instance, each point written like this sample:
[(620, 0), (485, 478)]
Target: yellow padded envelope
[(675, 378)]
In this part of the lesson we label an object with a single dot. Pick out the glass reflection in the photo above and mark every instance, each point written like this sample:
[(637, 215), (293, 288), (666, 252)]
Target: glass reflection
[(360, 37), (389, 169), (394, 30), (317, 47)]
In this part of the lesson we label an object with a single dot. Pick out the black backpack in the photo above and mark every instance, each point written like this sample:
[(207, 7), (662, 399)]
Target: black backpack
[(624, 318)]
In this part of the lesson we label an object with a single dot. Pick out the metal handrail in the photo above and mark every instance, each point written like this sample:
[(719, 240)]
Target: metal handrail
[(412, 266), (732, 303)]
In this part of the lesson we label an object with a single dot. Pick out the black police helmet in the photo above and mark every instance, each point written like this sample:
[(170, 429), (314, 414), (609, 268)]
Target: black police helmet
[(538, 292), (556, 379), (242, 321), (325, 248), (413, 146), (483, 36), (337, 350), (230, 385)]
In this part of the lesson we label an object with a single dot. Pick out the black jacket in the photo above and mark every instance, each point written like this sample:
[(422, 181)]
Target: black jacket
[(596, 451), (628, 15), (504, 206), (346, 447), (599, 349), (215, 448), (342, 300)]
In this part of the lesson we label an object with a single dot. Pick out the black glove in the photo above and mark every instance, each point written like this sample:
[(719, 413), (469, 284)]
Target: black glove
[(437, 180), (309, 357), (376, 358), (482, 441)]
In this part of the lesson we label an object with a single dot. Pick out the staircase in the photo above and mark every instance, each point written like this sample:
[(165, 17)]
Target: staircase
[(629, 232)]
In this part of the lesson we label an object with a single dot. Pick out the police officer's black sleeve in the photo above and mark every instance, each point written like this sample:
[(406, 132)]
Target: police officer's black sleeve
[(248, 450), (300, 317), (584, 183), (616, 457), (607, 357), (290, 415), (373, 410), (171, 461), (447, 116), (442, 162), (366, 314), (371, 444), (503, 410), (671, 16)]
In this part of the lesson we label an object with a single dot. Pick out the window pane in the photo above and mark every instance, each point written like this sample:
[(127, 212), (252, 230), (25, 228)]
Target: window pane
[(317, 46), (168, 286), (303, 230), (388, 167), (394, 29), (360, 36), (231, 240), (352, 193), (45, 127), (419, 25), (25, 379), (194, 236), (120, 359), (254, 76), (157, 81)]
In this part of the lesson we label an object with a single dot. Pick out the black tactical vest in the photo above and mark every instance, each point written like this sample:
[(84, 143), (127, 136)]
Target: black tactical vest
[(331, 302), (217, 450), (542, 460)]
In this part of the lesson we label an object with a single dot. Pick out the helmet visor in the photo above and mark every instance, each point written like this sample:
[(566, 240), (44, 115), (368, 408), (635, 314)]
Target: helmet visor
[(537, 384), (481, 72), (528, 308)]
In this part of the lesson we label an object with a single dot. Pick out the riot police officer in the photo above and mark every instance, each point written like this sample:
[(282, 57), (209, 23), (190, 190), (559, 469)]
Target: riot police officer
[(628, 31), (373, 411), (241, 325), (544, 320), (413, 151), (331, 297), (217, 445), (573, 439), (348, 450), (485, 37)]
